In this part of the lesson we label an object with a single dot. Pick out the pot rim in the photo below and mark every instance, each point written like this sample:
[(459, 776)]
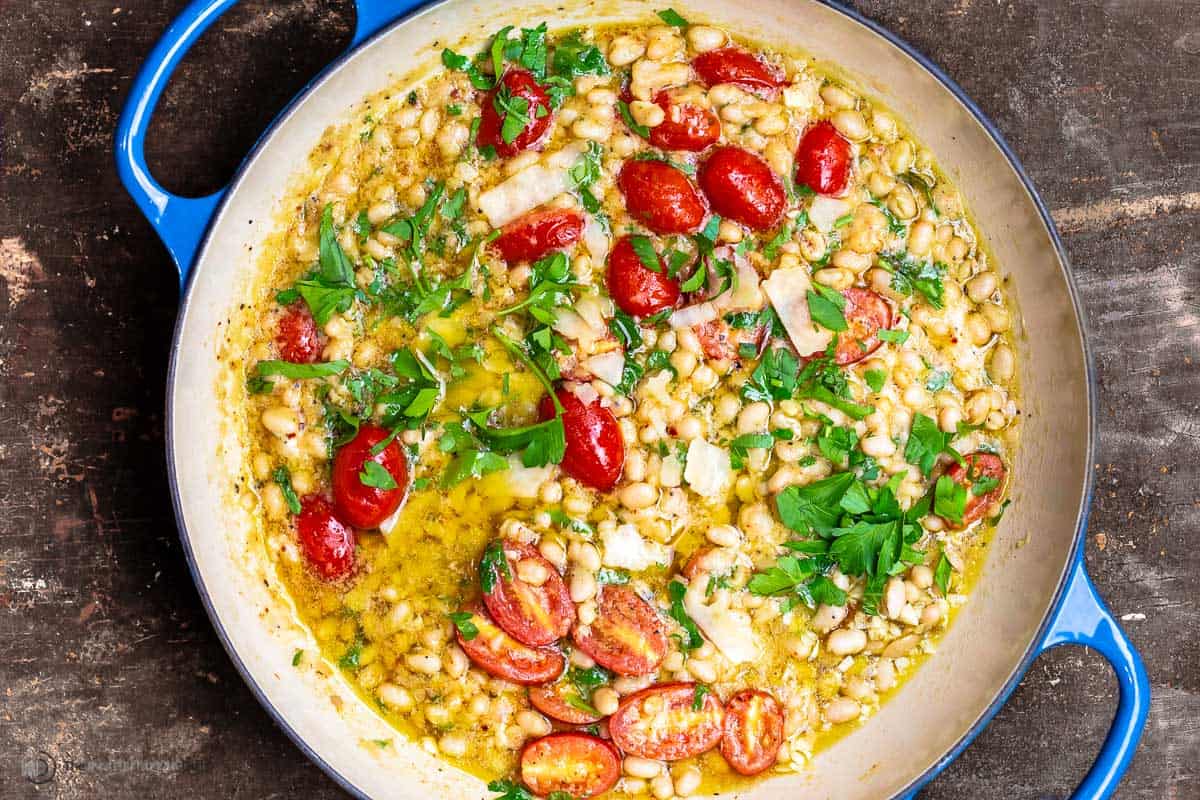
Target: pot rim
[(1074, 553)]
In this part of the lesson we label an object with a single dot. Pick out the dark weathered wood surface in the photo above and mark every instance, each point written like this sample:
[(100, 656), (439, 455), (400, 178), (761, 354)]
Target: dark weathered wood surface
[(108, 665)]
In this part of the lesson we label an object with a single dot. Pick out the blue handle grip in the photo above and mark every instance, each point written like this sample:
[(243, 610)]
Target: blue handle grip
[(182, 221), (1083, 619)]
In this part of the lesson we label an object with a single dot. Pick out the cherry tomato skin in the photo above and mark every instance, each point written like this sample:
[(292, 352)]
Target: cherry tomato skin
[(823, 160), (676, 732), (866, 314), (538, 233), (661, 197), (579, 764), (742, 187), (978, 465), (627, 637), (520, 83), (551, 701), (297, 337), (737, 66), (720, 340), (685, 127), (595, 450), (364, 506), (636, 289), (498, 654), (327, 544), (753, 731), (533, 615)]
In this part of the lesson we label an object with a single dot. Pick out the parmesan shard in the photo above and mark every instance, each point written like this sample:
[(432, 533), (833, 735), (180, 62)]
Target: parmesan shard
[(708, 471), (728, 629), (625, 548), (788, 291), (825, 211), (531, 187)]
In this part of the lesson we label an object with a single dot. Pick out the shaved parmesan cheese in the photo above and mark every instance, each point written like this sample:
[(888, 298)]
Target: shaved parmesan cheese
[(825, 211), (788, 291), (586, 393), (691, 316), (746, 297), (531, 187), (596, 240), (624, 547), (523, 482), (729, 630), (596, 311), (708, 471), (608, 367)]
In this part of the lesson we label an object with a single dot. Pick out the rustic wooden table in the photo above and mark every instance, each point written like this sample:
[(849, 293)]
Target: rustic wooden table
[(108, 666)]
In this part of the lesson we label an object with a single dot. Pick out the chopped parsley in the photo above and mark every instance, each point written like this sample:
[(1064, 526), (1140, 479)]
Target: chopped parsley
[(691, 638), (376, 476), (493, 566), (462, 620), (283, 478), (672, 18)]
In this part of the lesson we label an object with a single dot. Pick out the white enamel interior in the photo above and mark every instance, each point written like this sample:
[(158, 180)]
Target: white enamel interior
[(990, 637)]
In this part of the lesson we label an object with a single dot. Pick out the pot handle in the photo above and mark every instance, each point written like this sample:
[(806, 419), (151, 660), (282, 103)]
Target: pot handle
[(181, 221), (1083, 619)]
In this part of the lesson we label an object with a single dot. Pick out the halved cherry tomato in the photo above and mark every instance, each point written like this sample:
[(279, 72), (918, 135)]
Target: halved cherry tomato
[(979, 465), (661, 197), (327, 544), (553, 701), (533, 615), (720, 340), (823, 159), (578, 764), (515, 83), (595, 450), (753, 731), (358, 504), (675, 729), (742, 187), (538, 233), (740, 67), (497, 653), (634, 287), (297, 337), (628, 636), (685, 127), (866, 314)]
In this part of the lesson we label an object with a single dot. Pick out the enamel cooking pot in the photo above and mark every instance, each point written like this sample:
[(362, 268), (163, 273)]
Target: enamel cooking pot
[(1033, 594)]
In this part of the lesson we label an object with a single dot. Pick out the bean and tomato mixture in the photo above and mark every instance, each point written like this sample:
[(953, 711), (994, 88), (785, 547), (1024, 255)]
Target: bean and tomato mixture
[(628, 407)]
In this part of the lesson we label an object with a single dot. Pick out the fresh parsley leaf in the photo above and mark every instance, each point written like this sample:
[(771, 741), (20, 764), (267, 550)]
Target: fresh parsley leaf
[(606, 576), (816, 507), (658, 360), (626, 329), (825, 306), (875, 378), (493, 566), (461, 63), (893, 336), (259, 385), (283, 478), (696, 280), (949, 499), (352, 657), (376, 476), (941, 575), (302, 371), (508, 790), (910, 275), (926, 442), (691, 634), (630, 122), (741, 445), (584, 174), (983, 484), (774, 378), (462, 621), (698, 695), (574, 57), (336, 268), (472, 464), (672, 18), (297, 657), (644, 248)]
